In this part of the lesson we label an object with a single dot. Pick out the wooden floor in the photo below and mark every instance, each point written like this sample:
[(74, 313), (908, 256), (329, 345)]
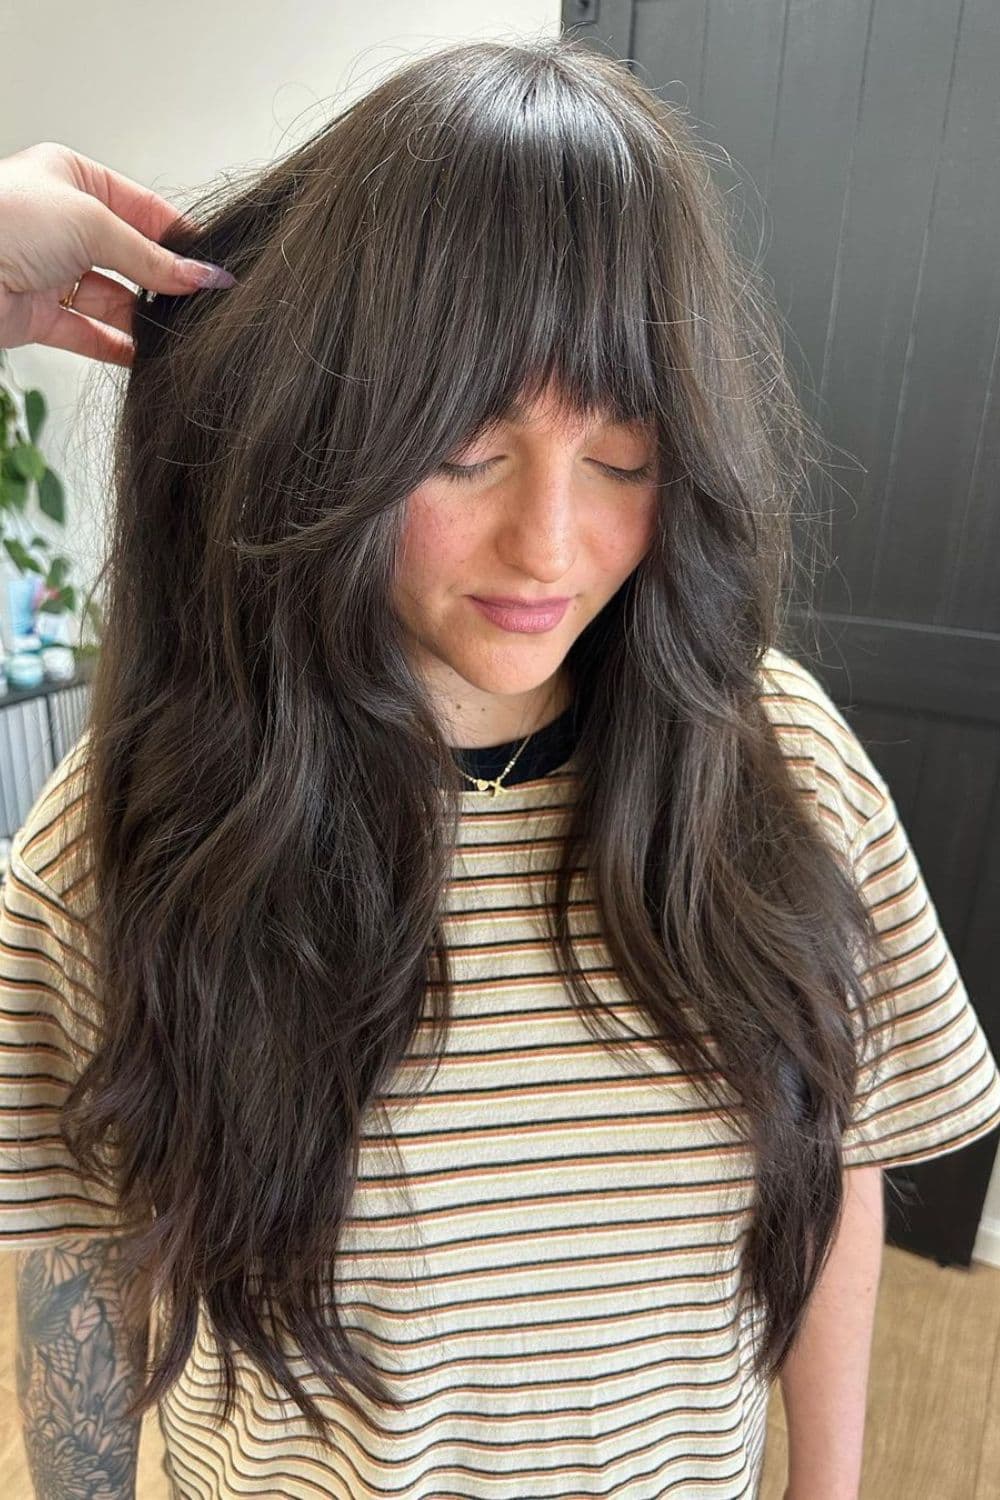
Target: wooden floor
[(933, 1426)]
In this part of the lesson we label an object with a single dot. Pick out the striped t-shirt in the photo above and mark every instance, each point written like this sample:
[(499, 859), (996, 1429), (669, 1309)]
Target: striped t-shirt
[(554, 1288)]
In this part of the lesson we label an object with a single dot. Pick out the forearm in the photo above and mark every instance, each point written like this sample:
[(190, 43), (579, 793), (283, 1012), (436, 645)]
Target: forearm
[(824, 1382), (77, 1313)]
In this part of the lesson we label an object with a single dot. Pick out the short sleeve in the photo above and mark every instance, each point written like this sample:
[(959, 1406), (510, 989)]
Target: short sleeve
[(45, 1034), (929, 1082)]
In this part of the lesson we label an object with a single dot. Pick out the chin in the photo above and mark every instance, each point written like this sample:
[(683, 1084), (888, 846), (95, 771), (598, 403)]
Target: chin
[(510, 682)]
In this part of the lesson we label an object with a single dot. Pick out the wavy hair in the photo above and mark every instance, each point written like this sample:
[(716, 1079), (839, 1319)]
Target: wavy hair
[(271, 806)]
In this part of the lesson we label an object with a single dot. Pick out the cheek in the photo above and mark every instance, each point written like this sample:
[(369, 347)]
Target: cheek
[(625, 538), (648, 526), (433, 548)]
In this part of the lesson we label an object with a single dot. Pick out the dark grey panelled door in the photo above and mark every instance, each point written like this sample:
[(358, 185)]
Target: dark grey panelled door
[(865, 145)]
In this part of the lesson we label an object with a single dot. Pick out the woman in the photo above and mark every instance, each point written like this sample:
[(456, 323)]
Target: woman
[(460, 1019)]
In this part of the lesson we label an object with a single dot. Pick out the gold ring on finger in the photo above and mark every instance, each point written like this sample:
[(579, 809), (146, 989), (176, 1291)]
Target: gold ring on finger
[(67, 301)]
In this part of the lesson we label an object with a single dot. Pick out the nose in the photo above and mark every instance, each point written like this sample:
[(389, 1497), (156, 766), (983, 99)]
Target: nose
[(538, 534)]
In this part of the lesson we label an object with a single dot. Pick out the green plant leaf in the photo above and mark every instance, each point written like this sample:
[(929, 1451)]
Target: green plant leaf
[(51, 500), (34, 410), (28, 460), (40, 541), (13, 492), (20, 556), (59, 603), (56, 576)]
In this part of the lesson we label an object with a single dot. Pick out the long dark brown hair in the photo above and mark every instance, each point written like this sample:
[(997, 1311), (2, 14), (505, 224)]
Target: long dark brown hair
[(271, 806)]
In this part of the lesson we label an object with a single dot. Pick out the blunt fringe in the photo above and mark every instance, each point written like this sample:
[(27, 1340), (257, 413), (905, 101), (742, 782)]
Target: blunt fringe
[(270, 805)]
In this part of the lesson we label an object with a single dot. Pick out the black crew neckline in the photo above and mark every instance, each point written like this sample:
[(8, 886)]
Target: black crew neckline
[(545, 751)]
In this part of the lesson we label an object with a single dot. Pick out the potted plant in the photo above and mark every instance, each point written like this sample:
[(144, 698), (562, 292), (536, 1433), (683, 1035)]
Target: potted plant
[(24, 469)]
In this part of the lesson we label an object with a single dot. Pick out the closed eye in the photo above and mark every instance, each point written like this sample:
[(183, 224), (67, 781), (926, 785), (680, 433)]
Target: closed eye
[(471, 471)]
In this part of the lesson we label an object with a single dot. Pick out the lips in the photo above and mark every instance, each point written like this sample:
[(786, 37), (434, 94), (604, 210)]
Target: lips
[(520, 618), (502, 602)]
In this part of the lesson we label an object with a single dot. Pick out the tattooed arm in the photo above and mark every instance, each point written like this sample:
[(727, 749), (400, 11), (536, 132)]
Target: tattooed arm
[(77, 1311)]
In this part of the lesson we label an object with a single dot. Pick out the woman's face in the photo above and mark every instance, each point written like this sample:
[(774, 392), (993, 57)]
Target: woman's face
[(546, 517)]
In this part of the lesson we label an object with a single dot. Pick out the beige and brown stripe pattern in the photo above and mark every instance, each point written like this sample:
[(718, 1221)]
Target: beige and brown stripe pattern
[(552, 1288)]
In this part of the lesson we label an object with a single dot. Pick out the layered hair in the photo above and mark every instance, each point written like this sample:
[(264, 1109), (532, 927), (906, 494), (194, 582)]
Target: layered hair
[(271, 805)]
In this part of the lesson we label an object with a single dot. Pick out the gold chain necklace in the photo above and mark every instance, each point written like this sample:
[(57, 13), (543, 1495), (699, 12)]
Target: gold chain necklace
[(494, 786)]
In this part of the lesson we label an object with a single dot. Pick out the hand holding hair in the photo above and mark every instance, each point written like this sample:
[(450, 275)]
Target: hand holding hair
[(61, 213)]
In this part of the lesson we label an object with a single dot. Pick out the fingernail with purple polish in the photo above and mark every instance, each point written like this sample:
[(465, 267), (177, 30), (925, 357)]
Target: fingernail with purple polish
[(209, 276)]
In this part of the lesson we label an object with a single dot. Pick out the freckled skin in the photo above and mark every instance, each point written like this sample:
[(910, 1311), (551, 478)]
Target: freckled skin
[(544, 519)]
